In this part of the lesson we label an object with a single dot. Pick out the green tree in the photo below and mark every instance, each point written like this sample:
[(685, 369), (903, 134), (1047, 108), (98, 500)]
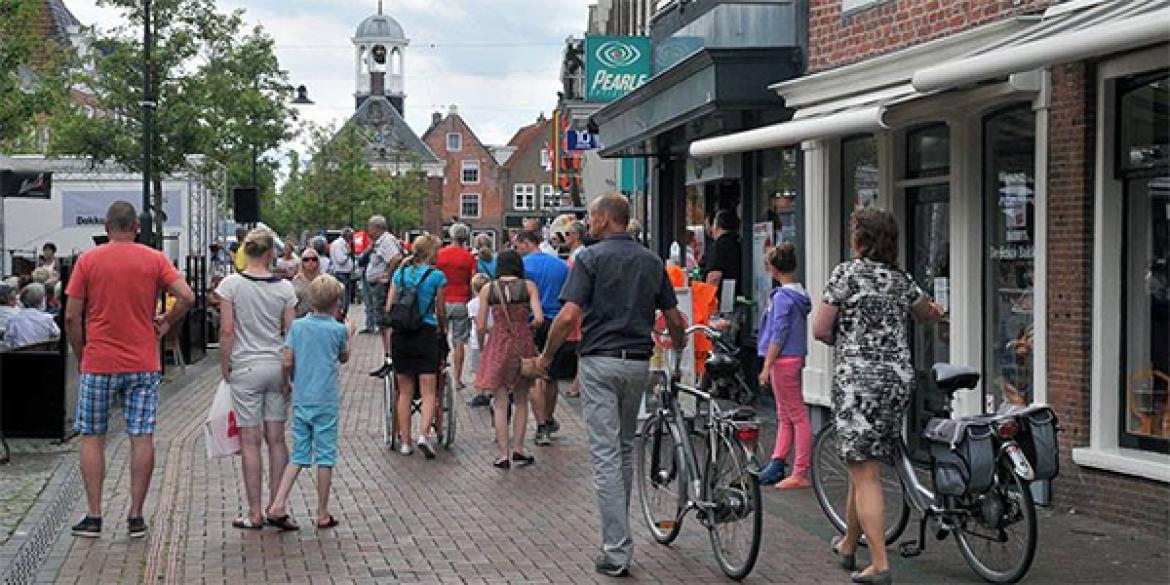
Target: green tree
[(31, 73), (339, 187), (218, 87)]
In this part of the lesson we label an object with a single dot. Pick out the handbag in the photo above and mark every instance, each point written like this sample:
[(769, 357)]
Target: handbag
[(528, 366)]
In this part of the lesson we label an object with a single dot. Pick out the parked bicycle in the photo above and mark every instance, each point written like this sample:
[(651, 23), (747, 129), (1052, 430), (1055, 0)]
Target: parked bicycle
[(981, 468), (721, 485)]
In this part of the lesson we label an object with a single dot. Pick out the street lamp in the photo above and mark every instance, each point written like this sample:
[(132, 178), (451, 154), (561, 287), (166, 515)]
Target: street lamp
[(301, 99)]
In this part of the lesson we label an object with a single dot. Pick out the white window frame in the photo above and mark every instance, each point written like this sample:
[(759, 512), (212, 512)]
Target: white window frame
[(463, 200), (467, 166), (524, 196), (547, 192), (458, 142), (546, 159), (1105, 450)]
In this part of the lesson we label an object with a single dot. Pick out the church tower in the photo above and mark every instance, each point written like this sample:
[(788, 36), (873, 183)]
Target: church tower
[(379, 57)]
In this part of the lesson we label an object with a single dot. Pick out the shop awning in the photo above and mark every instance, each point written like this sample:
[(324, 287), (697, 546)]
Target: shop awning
[(1069, 32), (852, 121)]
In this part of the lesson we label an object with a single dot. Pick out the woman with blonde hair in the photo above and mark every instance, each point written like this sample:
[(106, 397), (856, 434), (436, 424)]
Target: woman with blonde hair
[(418, 354), (310, 268), (257, 308)]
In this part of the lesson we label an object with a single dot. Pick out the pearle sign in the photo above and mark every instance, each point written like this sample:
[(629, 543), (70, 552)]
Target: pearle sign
[(615, 66)]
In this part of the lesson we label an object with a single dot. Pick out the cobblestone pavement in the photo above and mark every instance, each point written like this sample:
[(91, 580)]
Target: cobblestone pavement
[(458, 520), (23, 480)]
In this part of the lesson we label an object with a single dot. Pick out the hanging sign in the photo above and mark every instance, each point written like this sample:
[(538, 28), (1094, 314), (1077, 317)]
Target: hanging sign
[(615, 66), (582, 140)]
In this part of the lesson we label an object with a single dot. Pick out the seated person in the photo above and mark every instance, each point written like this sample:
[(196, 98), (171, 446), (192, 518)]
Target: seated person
[(32, 324), (8, 306)]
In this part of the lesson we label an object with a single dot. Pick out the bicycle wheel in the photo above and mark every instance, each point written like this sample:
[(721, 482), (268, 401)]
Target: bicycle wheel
[(389, 437), (736, 521), (449, 402), (661, 480), (830, 479), (998, 538)]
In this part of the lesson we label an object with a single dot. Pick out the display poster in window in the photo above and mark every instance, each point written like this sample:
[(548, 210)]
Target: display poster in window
[(761, 280)]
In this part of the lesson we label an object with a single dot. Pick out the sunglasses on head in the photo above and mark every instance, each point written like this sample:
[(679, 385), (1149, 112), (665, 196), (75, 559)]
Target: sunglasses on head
[(310, 259)]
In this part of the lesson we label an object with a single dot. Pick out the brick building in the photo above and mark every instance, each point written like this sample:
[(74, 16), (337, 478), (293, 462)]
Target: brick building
[(528, 185), (1024, 147), (473, 180)]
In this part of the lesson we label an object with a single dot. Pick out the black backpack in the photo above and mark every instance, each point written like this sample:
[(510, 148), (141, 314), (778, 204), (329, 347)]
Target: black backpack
[(405, 314)]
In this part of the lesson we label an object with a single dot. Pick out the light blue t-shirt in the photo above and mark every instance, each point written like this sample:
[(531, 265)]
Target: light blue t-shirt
[(317, 342), (549, 273), (410, 276)]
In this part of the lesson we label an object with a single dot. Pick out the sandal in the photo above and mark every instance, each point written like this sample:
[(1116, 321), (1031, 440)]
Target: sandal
[(502, 463), (330, 524), (848, 561), (284, 523), (522, 460), (246, 523)]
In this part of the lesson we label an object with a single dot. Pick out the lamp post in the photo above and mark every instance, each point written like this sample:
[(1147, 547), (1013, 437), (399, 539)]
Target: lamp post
[(148, 106)]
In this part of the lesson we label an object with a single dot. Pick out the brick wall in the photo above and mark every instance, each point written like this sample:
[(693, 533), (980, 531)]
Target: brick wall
[(490, 186), (837, 39), (1071, 145)]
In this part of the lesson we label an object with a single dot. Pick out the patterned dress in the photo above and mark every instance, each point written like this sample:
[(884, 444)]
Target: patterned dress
[(510, 340), (872, 371)]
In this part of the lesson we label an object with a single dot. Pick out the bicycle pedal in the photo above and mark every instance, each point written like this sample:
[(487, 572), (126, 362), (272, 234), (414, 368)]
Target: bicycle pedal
[(909, 549), (665, 524)]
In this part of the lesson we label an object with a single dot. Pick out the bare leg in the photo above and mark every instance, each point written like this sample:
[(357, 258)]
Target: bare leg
[(93, 471), (538, 402), (852, 524), (519, 419), (277, 456), (141, 469), (501, 420), (279, 505), (867, 491), (402, 408), (250, 438), (324, 480), (458, 353), (427, 388)]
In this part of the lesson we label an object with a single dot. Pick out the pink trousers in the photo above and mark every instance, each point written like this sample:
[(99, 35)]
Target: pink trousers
[(791, 414)]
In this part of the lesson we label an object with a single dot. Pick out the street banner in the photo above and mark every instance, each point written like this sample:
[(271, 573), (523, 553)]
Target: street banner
[(26, 185), (615, 66), (88, 208)]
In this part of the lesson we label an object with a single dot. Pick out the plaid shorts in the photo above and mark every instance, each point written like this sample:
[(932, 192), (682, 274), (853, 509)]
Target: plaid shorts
[(139, 393)]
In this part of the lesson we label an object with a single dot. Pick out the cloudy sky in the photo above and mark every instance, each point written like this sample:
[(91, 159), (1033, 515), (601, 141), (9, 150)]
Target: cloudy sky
[(498, 60)]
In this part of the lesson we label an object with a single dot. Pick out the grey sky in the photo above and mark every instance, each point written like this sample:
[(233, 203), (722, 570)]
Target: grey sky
[(498, 60)]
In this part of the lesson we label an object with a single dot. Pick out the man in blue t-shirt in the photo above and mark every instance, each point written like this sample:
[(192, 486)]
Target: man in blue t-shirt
[(549, 273)]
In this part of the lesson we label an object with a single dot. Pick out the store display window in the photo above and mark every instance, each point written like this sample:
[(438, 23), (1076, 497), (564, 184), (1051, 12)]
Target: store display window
[(859, 181)]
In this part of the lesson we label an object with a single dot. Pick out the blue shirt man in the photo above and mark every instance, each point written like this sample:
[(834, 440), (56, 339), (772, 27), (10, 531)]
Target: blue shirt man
[(547, 271)]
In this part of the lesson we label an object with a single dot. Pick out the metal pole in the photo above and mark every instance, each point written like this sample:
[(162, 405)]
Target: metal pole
[(148, 106)]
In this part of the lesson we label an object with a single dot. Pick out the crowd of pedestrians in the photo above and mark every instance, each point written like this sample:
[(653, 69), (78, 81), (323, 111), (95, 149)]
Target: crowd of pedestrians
[(576, 306)]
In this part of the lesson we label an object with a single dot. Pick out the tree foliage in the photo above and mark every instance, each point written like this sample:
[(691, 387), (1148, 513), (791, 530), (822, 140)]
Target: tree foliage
[(218, 87), (339, 187), (31, 80)]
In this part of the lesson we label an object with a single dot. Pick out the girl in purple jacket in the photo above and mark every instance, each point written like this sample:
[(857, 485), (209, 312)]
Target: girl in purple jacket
[(783, 344)]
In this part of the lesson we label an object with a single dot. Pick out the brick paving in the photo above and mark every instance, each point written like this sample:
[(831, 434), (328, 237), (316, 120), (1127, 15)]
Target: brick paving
[(458, 520)]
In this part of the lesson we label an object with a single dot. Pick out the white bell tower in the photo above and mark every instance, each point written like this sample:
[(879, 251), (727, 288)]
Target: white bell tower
[(380, 60)]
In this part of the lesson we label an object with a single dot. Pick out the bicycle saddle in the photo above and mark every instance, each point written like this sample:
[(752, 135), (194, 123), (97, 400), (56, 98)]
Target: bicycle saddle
[(743, 413), (950, 377)]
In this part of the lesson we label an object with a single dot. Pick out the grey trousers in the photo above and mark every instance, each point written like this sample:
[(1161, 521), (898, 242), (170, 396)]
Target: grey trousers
[(611, 392)]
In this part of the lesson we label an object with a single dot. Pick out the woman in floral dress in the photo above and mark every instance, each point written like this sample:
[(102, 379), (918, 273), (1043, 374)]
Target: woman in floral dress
[(510, 299), (864, 316)]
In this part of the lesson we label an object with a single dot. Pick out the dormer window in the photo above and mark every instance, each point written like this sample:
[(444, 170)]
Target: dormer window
[(454, 142)]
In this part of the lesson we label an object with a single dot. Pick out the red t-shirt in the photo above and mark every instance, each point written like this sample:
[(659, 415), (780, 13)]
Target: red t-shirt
[(119, 283), (458, 265)]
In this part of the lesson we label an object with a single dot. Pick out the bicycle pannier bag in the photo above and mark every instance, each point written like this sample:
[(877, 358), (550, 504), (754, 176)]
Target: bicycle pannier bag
[(405, 314), (1037, 440), (962, 455)]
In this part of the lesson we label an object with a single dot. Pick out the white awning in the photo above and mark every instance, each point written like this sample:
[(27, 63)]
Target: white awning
[(1064, 36), (854, 121)]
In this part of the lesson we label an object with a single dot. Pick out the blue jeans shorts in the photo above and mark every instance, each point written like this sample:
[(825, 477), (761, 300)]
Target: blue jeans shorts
[(139, 392), (314, 432)]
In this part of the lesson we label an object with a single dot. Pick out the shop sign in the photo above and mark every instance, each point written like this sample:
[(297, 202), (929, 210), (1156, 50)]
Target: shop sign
[(615, 66), (582, 140), (88, 208), (703, 170)]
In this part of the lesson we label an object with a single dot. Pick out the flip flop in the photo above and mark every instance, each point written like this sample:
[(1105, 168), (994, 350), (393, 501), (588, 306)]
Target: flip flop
[(284, 523), (245, 523), (330, 524)]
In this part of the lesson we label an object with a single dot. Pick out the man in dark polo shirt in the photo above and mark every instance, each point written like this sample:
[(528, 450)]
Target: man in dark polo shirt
[(614, 288), (723, 259)]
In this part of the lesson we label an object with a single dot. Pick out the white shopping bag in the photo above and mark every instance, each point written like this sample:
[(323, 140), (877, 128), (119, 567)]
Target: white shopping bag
[(220, 430)]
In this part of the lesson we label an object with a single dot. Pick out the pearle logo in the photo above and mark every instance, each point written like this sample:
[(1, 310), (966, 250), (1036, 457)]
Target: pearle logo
[(617, 54)]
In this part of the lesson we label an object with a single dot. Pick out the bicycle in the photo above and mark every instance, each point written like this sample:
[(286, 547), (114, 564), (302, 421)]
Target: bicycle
[(444, 423), (1002, 518), (725, 492)]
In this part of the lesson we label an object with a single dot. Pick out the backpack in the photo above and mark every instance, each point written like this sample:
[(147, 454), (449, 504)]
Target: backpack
[(406, 315)]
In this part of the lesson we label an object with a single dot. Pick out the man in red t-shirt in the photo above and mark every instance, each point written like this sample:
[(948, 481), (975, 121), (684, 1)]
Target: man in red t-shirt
[(458, 264), (112, 326)]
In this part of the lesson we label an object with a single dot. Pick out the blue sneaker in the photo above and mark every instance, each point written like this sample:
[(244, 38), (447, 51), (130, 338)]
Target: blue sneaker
[(774, 472)]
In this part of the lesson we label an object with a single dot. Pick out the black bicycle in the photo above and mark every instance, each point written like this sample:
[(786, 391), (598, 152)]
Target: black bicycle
[(721, 485)]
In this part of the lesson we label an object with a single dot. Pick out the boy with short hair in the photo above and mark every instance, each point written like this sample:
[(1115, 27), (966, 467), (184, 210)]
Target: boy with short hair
[(316, 344)]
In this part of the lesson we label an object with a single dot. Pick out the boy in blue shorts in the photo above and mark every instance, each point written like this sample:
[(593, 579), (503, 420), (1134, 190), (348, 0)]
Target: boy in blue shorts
[(316, 344)]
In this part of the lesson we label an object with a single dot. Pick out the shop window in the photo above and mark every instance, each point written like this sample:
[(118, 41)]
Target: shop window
[(524, 196), (1009, 222), (859, 182), (470, 174), (1143, 166), (777, 218), (469, 205), (928, 152)]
